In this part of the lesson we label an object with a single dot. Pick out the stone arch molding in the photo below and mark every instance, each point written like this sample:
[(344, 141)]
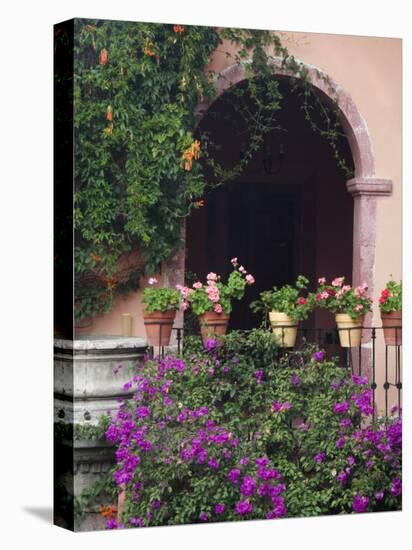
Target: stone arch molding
[(352, 122), (365, 187)]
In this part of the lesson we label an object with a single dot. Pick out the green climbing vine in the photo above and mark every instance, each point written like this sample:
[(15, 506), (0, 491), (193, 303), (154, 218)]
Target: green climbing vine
[(140, 161)]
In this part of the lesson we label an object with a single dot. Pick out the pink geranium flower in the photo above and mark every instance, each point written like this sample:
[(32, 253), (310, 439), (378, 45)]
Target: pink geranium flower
[(185, 291), (197, 285), (152, 281), (218, 308), (250, 279), (321, 280), (338, 281), (302, 301), (213, 293), (211, 276)]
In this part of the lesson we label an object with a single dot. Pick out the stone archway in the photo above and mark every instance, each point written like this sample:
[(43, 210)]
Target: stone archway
[(365, 187)]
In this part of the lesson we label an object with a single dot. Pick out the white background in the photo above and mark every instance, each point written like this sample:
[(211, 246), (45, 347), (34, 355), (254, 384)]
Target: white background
[(26, 271)]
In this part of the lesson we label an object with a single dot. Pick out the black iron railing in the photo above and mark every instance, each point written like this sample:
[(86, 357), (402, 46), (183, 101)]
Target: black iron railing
[(372, 357)]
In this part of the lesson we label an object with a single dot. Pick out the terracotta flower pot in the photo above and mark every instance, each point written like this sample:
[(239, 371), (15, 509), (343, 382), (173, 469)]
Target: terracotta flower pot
[(350, 338), (213, 324), (392, 327), (159, 326), (284, 328)]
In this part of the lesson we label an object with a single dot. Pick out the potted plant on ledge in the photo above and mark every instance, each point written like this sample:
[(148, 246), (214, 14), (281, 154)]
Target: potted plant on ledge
[(212, 301), (159, 313), (286, 307), (390, 305), (349, 304)]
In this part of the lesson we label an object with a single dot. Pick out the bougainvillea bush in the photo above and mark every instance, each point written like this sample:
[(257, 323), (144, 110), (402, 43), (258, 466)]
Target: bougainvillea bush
[(232, 431)]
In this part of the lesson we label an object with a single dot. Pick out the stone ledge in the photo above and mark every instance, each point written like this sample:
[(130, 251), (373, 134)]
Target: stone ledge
[(370, 186), (93, 343)]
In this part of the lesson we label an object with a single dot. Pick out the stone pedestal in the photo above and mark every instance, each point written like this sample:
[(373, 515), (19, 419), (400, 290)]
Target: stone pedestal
[(89, 374)]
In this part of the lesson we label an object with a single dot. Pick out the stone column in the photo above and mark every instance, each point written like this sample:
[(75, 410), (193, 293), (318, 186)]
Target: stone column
[(365, 192)]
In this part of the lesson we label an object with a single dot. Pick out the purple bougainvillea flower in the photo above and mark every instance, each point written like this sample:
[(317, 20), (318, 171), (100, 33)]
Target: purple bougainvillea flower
[(264, 489), (244, 461), (204, 516), (211, 344), (233, 475), (213, 463), (342, 477), (319, 458), (156, 504), (363, 402), (341, 442), (319, 356), (179, 365), (167, 402), (346, 423), (220, 508), (263, 461), (379, 495), (280, 407), (270, 473), (182, 417), (243, 508), (127, 386), (259, 376), (396, 487), (295, 379), (360, 503), (351, 460), (112, 524), (279, 508), (341, 408), (275, 491), (198, 413), (142, 412), (145, 445), (359, 380), (248, 486), (202, 456)]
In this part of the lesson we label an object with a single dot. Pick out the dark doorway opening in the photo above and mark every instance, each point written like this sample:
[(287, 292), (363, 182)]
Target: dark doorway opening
[(259, 223)]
